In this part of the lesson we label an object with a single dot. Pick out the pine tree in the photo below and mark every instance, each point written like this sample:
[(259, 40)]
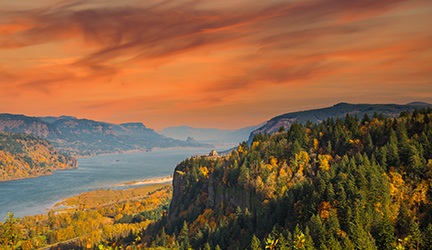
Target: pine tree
[(384, 234), (255, 243), (317, 231), (413, 239), (426, 241), (184, 236)]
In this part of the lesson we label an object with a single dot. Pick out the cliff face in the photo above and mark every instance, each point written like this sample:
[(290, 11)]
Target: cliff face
[(309, 183), (206, 191)]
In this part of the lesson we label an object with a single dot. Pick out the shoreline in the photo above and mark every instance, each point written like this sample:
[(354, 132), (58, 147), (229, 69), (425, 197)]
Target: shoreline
[(133, 151), (50, 172), (156, 180)]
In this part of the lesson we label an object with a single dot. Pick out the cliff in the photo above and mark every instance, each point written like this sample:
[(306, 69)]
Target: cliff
[(332, 185)]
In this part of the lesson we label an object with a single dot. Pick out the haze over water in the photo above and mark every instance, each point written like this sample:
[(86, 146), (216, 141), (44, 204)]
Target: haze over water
[(33, 196)]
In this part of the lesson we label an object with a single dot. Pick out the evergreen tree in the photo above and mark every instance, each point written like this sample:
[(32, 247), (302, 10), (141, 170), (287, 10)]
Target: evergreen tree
[(317, 231), (413, 240), (255, 243), (184, 236), (384, 234), (426, 241)]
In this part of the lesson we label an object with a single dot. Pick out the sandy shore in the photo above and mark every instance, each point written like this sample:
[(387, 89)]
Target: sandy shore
[(145, 182)]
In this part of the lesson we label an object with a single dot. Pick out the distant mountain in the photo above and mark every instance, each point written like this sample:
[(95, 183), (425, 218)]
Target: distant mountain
[(23, 156), (51, 119), (28, 125), (209, 135), (84, 137), (338, 110)]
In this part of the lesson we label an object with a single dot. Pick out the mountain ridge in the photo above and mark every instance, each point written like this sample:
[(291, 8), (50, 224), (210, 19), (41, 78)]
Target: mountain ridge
[(338, 110), (85, 137), (209, 135)]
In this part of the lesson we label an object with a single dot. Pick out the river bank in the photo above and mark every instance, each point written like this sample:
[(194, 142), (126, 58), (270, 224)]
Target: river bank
[(157, 180)]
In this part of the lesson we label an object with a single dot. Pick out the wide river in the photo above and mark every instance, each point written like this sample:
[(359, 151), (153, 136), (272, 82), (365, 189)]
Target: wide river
[(34, 195)]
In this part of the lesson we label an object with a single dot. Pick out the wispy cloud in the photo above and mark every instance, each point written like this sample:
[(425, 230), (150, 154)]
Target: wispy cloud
[(104, 58)]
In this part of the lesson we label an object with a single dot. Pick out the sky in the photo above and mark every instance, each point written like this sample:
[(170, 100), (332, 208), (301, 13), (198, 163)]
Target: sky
[(204, 63)]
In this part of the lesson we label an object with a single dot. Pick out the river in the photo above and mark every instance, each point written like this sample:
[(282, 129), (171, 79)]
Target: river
[(34, 195)]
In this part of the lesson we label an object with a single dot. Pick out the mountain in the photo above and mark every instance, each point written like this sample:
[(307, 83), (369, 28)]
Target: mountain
[(51, 119), (338, 110), (337, 184), (346, 183), (28, 125), (84, 137), (23, 156), (209, 135)]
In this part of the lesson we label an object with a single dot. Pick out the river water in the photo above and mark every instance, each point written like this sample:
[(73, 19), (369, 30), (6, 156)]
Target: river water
[(34, 195)]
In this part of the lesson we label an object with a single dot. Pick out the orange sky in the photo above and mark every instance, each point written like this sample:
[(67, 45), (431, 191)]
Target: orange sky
[(223, 64)]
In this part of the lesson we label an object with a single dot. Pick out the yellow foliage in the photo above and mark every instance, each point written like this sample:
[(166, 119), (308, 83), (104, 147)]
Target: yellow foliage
[(324, 162), (303, 158), (273, 161), (397, 186), (316, 144), (282, 172), (420, 193), (204, 171), (255, 144), (324, 209)]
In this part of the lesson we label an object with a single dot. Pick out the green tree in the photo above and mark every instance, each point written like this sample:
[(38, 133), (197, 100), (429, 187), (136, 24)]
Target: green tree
[(256, 243), (317, 231), (384, 235), (184, 236), (9, 235), (426, 242)]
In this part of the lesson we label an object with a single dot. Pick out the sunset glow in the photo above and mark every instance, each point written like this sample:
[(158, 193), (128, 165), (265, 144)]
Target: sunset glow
[(223, 64)]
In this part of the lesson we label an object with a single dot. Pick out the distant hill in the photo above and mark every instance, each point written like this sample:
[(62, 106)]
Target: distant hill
[(84, 137), (209, 135), (23, 156), (338, 110)]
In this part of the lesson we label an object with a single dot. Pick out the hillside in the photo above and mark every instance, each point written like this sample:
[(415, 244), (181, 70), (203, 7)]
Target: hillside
[(86, 220), (84, 137), (209, 135), (338, 184), (338, 110), (23, 156)]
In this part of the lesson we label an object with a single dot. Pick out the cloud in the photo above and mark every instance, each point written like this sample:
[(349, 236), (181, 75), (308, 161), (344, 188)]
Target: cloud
[(179, 56)]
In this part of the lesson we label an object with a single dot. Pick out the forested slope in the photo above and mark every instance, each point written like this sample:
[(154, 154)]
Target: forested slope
[(23, 156), (87, 220), (339, 184), (338, 110)]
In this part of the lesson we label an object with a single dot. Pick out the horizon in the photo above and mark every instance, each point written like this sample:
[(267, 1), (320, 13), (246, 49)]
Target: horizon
[(224, 65), (232, 129)]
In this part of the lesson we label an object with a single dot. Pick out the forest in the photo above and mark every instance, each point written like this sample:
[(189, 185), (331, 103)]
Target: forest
[(23, 156), (351, 183), (344, 183), (88, 220)]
